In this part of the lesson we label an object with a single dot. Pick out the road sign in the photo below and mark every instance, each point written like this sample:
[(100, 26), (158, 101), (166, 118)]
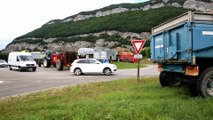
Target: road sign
[(138, 56), (138, 45)]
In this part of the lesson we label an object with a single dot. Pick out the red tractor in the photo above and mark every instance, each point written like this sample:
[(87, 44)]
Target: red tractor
[(59, 60)]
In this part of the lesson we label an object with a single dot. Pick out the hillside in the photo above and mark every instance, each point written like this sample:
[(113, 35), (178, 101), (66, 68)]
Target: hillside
[(111, 26)]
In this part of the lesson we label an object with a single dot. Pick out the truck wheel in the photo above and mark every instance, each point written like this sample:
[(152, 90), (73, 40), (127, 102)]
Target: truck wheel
[(59, 65), (34, 69), (10, 68), (19, 69), (46, 63), (164, 79), (77, 71), (205, 83)]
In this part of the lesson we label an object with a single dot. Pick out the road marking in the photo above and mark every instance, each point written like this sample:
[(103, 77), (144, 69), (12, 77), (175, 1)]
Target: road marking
[(1, 81)]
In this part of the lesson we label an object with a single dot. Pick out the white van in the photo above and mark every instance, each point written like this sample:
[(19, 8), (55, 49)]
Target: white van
[(21, 61)]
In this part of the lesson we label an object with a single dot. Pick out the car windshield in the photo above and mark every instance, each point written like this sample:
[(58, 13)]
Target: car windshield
[(26, 58)]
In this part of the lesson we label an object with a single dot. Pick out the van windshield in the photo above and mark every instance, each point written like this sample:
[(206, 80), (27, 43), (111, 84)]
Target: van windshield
[(26, 58)]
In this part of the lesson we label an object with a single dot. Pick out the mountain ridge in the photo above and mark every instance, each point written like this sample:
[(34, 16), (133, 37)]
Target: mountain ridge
[(62, 31)]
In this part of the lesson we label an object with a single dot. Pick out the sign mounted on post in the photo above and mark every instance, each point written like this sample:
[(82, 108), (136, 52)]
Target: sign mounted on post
[(138, 45)]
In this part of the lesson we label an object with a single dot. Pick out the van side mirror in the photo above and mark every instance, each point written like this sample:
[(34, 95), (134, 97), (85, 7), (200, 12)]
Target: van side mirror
[(17, 59)]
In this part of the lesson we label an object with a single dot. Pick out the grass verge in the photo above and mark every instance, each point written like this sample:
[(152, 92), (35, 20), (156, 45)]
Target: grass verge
[(127, 65), (116, 100)]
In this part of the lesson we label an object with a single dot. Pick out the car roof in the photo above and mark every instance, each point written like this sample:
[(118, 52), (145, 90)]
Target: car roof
[(87, 59)]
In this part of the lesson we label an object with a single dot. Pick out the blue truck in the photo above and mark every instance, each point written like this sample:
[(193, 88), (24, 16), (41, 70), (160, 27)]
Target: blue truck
[(183, 49)]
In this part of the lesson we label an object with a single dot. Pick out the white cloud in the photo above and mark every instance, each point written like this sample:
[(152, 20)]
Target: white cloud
[(19, 17)]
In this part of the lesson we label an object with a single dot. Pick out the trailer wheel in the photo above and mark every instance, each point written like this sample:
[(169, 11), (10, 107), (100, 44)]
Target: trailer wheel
[(59, 65), (205, 83), (173, 79), (164, 79), (46, 63), (77, 71)]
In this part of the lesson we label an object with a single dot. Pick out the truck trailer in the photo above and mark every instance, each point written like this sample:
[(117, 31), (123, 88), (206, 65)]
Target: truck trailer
[(183, 49)]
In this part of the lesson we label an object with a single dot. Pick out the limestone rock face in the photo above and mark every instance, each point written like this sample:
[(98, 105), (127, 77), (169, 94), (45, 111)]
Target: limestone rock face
[(189, 4), (198, 5), (50, 43)]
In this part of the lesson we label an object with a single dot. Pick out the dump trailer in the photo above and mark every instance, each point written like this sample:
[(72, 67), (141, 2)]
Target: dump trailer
[(183, 49)]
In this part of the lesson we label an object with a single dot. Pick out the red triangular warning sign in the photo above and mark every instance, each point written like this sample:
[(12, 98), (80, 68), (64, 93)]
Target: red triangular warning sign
[(138, 45)]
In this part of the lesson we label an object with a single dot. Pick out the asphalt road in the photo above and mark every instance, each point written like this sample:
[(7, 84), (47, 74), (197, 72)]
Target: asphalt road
[(14, 83)]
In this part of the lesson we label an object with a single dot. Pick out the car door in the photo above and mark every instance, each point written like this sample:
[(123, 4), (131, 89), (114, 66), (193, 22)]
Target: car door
[(83, 65), (95, 66)]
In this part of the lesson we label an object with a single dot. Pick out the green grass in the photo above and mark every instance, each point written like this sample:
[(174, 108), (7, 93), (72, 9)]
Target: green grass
[(116, 100), (127, 65)]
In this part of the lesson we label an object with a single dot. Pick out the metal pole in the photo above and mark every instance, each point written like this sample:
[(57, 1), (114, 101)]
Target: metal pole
[(138, 75)]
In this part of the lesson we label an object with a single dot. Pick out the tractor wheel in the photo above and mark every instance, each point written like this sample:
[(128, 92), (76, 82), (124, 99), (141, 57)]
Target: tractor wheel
[(39, 63), (164, 79), (59, 65), (46, 63), (205, 83)]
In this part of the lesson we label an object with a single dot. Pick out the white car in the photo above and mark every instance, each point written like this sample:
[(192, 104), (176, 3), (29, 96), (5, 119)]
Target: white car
[(3, 63), (81, 66)]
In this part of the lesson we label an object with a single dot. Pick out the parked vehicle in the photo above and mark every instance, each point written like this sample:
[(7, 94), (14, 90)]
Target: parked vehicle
[(21, 61), (3, 63), (38, 57), (127, 57), (81, 66), (59, 60), (102, 53), (86, 52), (183, 49)]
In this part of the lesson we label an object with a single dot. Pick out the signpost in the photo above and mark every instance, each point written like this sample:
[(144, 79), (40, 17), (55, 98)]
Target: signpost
[(138, 45)]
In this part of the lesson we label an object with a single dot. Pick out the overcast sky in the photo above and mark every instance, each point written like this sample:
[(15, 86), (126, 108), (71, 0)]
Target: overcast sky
[(19, 17)]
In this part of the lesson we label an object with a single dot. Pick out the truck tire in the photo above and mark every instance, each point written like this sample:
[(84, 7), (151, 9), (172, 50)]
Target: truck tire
[(19, 69), (205, 83), (163, 79), (46, 63), (10, 68), (34, 69), (59, 65)]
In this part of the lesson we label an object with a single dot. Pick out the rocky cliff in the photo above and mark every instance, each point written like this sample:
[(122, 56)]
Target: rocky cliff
[(198, 5)]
